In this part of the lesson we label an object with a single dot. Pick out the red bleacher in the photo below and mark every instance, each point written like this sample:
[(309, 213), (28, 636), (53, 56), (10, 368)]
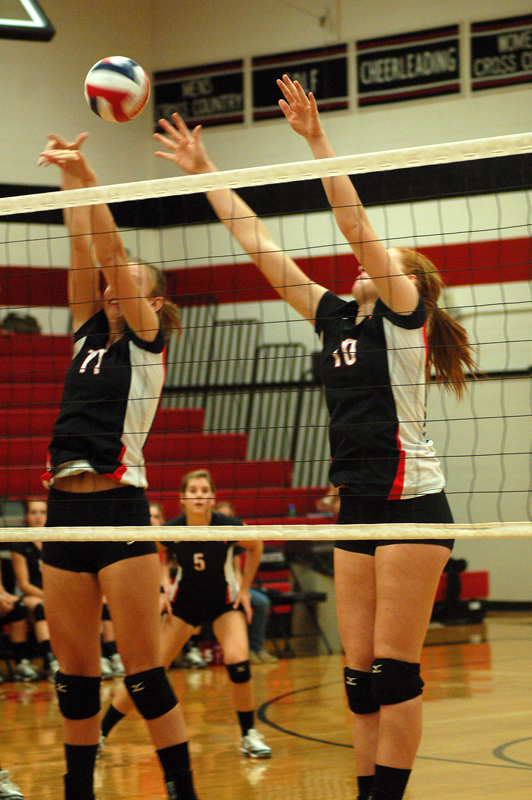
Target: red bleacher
[(32, 370), (474, 585)]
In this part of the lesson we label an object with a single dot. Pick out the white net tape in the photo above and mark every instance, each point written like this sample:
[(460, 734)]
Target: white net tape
[(495, 147), (269, 532)]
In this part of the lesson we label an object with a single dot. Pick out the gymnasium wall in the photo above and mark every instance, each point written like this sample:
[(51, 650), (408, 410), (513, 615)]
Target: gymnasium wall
[(43, 92)]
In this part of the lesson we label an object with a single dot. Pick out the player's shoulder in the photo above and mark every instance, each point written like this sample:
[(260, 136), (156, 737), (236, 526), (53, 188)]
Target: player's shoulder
[(180, 520), (224, 519)]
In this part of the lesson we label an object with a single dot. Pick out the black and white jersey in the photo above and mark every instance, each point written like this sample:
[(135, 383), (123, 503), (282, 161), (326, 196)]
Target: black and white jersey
[(205, 570), (374, 378), (33, 556), (108, 405)]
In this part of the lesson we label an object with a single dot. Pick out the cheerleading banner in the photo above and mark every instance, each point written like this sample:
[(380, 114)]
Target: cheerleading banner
[(322, 71), (409, 66), (208, 95), (501, 52)]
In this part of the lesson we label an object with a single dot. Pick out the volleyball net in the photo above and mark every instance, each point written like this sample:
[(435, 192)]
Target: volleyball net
[(242, 396)]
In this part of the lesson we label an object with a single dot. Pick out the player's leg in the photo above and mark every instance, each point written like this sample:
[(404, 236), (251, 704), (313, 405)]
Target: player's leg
[(73, 607), (354, 581), (42, 633), (174, 633), (407, 577), (231, 631), (131, 587), (261, 606)]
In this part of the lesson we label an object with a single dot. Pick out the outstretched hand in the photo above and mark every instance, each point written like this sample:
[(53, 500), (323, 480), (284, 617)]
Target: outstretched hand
[(300, 109), (67, 156), (185, 147)]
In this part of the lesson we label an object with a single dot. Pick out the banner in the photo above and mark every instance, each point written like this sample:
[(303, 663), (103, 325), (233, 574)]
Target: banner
[(209, 95), (322, 71), (501, 52), (409, 66)]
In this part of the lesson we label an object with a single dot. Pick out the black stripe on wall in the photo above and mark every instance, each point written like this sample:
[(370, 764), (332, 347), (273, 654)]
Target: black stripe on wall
[(484, 176)]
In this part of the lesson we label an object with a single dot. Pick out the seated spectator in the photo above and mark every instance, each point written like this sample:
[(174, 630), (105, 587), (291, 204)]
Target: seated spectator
[(156, 514), (330, 503), (260, 604), (14, 322), (13, 613), (26, 560)]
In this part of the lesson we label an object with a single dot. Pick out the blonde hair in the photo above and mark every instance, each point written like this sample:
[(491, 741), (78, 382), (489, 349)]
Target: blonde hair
[(197, 474), (449, 350), (169, 312)]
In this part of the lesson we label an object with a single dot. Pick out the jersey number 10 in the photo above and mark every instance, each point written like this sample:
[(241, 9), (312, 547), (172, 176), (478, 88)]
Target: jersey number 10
[(346, 353)]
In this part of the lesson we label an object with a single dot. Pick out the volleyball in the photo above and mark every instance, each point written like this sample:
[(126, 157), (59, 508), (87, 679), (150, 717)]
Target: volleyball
[(117, 89)]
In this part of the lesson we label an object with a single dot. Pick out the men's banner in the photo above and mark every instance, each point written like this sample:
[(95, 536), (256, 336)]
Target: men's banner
[(208, 95)]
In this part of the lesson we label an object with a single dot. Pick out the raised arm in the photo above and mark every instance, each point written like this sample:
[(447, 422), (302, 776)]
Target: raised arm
[(95, 225), (382, 265), (186, 149), (83, 278)]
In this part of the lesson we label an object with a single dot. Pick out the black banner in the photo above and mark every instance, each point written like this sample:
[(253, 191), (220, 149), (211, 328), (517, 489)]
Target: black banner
[(409, 66), (321, 71), (211, 95), (501, 52)]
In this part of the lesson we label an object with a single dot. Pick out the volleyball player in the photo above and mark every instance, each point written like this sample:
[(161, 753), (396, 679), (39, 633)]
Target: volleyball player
[(206, 592), (260, 605), (26, 559), (14, 613), (97, 477), (378, 350)]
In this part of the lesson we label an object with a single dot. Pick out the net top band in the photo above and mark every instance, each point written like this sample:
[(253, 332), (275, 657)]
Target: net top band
[(494, 147), (270, 532)]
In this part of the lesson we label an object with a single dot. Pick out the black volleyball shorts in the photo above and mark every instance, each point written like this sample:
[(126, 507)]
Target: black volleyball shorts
[(358, 510), (126, 505), (200, 611)]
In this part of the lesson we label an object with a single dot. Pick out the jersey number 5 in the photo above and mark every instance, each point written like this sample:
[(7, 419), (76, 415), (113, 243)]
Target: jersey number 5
[(346, 353), (199, 561)]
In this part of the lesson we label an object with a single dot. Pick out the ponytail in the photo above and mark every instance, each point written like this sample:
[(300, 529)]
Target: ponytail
[(449, 350), (169, 312), (450, 353)]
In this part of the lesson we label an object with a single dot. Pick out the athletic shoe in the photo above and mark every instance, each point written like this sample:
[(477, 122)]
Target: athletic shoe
[(193, 658), (24, 671), (252, 745), (53, 667), (106, 669), (8, 790), (101, 745), (116, 665), (254, 658), (267, 658)]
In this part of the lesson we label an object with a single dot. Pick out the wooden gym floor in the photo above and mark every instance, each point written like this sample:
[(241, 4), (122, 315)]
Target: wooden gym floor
[(477, 740)]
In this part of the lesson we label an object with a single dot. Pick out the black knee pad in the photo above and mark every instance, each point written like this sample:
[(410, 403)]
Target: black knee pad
[(151, 692), (105, 613), (78, 696), (358, 691), (239, 673), (395, 681), (18, 612), (38, 613)]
